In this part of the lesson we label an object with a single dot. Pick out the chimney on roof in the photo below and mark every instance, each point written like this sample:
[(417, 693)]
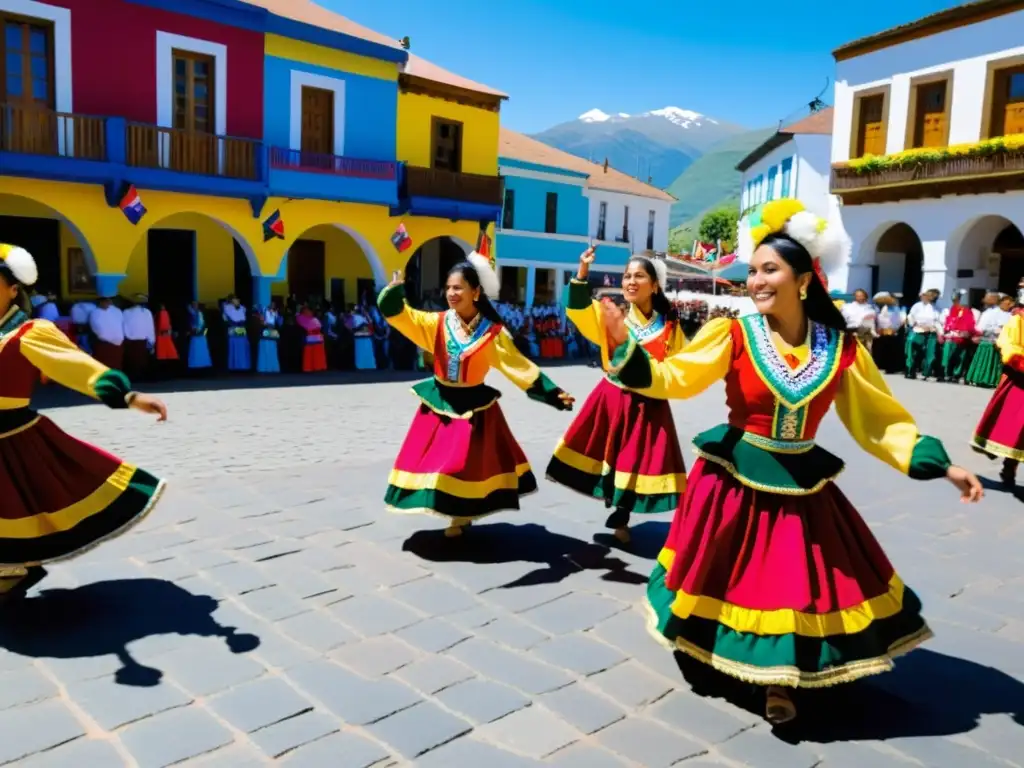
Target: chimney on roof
[(606, 165)]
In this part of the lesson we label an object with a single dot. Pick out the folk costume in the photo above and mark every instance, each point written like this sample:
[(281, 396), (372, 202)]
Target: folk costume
[(622, 447), (923, 341), (887, 349), (769, 574), (987, 366), (239, 353), (267, 358), (107, 326), (166, 351), (60, 496), (80, 312), (860, 321), (1000, 433), (314, 353), (460, 460), (198, 345), (139, 337), (958, 332)]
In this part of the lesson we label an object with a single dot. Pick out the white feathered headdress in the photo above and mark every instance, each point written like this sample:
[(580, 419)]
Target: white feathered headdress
[(490, 283), (825, 239), (20, 263)]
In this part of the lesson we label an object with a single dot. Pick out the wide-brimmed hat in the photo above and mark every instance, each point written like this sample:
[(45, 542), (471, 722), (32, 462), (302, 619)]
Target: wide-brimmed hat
[(884, 297)]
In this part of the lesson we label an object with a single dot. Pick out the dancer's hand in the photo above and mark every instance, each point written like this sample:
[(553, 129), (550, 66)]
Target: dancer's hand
[(615, 324), (567, 400), (586, 259), (971, 490), (148, 404)]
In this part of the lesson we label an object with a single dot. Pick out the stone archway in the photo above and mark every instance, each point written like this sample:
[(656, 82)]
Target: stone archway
[(331, 261), (898, 262), (427, 267), (991, 247)]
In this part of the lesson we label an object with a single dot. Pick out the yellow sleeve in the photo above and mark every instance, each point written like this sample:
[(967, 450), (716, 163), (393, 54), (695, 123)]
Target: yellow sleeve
[(522, 372), (1011, 339), (677, 341), (586, 314), (700, 364), (417, 326), (58, 359), (882, 426)]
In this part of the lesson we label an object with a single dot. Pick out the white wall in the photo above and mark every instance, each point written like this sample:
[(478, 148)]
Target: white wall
[(750, 196), (966, 51), (814, 163), (638, 213)]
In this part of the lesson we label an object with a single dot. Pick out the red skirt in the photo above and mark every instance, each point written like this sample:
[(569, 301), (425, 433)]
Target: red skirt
[(779, 589), (622, 447), (60, 495), (464, 468), (1001, 429), (165, 349), (314, 358)]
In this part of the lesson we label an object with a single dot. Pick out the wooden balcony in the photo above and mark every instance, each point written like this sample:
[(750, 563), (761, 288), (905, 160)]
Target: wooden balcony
[(32, 130), (449, 185), (930, 175), (150, 146), (334, 165)]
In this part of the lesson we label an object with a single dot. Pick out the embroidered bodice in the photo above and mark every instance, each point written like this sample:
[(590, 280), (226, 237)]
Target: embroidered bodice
[(654, 334), (457, 344)]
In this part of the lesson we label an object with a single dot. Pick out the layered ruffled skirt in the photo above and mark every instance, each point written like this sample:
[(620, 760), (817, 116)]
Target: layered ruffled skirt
[(986, 367), (622, 448), (459, 459), (1001, 429), (779, 585), (62, 496)]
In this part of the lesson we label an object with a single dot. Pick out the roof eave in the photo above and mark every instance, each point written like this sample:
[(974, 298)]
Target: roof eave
[(769, 144)]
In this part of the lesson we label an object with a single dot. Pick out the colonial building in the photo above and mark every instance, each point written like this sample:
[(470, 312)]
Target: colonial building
[(556, 204), (928, 151), (224, 117)]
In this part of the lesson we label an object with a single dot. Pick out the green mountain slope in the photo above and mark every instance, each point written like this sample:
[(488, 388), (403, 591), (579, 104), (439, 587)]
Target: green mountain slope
[(712, 177), (681, 237)]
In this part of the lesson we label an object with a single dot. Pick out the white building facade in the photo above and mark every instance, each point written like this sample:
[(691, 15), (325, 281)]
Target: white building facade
[(639, 222), (942, 219)]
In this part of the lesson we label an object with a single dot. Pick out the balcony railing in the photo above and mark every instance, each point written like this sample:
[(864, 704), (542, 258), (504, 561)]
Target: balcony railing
[(450, 185), (334, 165), (935, 170), (150, 146), (33, 130)]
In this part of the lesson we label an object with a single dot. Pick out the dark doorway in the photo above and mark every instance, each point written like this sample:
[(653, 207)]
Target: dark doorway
[(172, 267), (306, 265), (1009, 244), (902, 239), (243, 276), (41, 238), (366, 290)]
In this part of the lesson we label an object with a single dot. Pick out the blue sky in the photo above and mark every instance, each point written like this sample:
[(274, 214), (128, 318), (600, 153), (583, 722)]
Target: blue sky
[(751, 63)]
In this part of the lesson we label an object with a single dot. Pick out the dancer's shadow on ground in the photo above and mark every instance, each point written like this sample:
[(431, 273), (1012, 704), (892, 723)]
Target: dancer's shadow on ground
[(560, 555), (927, 694), (101, 619), (646, 539), (997, 486)]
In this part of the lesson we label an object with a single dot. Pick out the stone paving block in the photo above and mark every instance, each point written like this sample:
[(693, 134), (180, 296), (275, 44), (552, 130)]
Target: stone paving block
[(631, 685), (533, 731), (649, 744), (260, 703), (482, 701), (434, 673), (434, 597), (371, 615), (354, 699), (272, 550), (845, 754), (279, 651), (112, 705), (317, 631), (376, 656), (80, 753), (520, 599), (27, 730), (512, 632), (586, 756), (419, 729), (476, 617), (759, 747), (583, 708), (509, 667), (575, 612), (239, 578), (339, 750), (174, 736), (944, 753), (467, 752), (686, 712), (273, 603), (299, 580), (280, 738), (628, 632), (579, 653), (24, 686), (208, 559), (230, 756), (432, 635), (999, 735), (207, 667)]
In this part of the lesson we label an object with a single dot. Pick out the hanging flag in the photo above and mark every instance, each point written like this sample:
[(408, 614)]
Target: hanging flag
[(401, 240), (483, 246), (131, 205), (273, 226)]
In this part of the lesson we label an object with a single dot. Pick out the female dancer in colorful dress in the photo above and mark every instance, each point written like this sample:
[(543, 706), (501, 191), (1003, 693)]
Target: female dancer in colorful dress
[(267, 358), (314, 353), (60, 496), (1000, 433), (622, 447), (987, 366), (769, 574), (236, 318), (198, 345), (460, 460)]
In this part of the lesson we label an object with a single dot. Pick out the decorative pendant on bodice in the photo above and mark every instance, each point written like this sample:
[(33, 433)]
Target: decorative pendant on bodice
[(644, 332), (462, 340)]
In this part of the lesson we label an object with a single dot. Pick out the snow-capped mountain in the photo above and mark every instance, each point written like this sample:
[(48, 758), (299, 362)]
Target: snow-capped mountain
[(660, 143)]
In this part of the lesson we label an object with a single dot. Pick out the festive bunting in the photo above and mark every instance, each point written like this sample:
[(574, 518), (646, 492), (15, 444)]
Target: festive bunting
[(401, 240), (484, 246), (131, 205), (273, 226)]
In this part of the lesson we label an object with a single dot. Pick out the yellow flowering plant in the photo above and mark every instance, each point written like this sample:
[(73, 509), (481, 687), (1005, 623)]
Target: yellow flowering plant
[(912, 157)]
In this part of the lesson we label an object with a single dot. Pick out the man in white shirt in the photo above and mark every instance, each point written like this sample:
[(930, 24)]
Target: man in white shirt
[(139, 338), (80, 313), (107, 325), (860, 318), (922, 341)]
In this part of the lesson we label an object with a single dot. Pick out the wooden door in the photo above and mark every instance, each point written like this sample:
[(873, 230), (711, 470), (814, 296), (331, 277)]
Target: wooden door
[(27, 88), (871, 134), (447, 141), (193, 145), (306, 265), (317, 124), (931, 121), (1012, 103), (171, 261)]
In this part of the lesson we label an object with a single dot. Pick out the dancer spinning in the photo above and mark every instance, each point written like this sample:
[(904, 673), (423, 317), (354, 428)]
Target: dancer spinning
[(60, 496), (459, 459), (769, 574), (623, 447), (1000, 433)]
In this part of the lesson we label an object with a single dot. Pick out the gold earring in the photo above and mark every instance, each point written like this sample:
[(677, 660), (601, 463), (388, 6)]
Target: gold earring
[(803, 294)]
